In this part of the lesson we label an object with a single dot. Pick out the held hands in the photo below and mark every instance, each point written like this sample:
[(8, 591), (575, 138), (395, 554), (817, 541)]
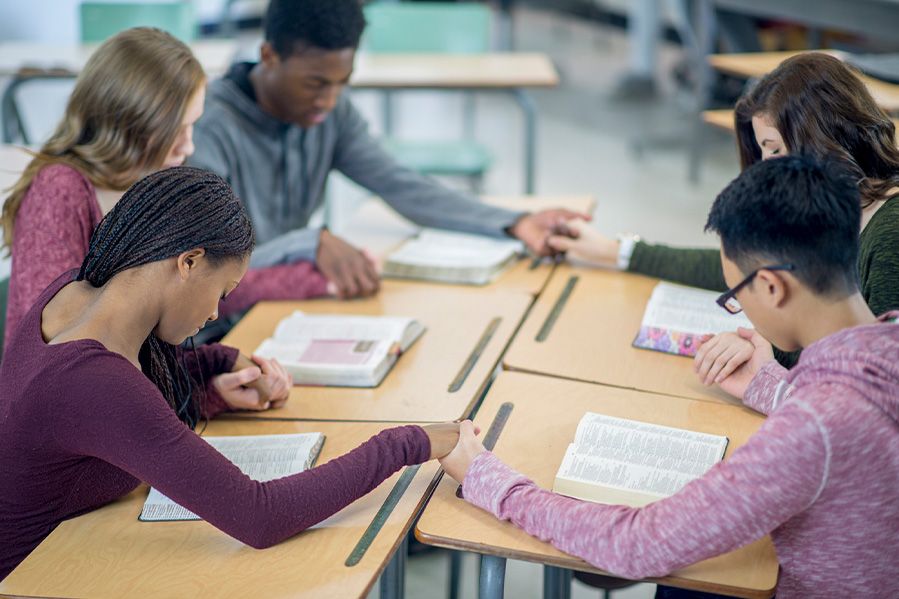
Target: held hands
[(258, 385), (459, 460), (582, 242), (732, 359), (535, 229), (351, 272)]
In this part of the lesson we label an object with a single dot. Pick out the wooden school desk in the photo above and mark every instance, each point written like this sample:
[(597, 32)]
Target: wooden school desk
[(377, 228), (109, 553), (590, 338), (13, 160), (214, 55), (757, 64), (438, 379), (512, 72), (544, 417), (723, 119)]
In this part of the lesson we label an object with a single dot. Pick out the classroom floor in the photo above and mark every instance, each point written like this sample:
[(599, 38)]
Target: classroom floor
[(586, 144)]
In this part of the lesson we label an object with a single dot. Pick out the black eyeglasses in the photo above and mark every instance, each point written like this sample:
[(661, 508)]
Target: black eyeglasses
[(728, 300)]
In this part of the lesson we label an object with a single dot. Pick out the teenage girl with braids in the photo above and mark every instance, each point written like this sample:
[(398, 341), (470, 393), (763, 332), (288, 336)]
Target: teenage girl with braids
[(95, 395), (131, 113)]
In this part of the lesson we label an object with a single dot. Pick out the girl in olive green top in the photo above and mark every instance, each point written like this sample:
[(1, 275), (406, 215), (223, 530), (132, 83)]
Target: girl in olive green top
[(812, 104)]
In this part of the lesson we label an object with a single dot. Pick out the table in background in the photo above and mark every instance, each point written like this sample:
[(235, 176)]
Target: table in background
[(512, 72), (542, 423), (758, 64), (109, 553), (418, 388), (592, 335)]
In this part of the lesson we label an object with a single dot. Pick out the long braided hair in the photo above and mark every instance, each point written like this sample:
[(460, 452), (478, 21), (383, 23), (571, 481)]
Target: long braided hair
[(161, 216)]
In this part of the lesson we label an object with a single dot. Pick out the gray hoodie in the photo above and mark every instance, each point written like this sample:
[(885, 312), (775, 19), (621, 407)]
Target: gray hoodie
[(279, 170)]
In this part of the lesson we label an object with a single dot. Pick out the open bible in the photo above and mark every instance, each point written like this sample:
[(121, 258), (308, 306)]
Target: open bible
[(677, 318), (451, 257), (620, 461), (261, 457), (340, 351)]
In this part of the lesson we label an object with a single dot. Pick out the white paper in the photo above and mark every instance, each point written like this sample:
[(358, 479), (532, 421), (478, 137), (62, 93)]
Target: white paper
[(638, 456), (689, 310), (299, 326), (432, 248), (261, 457)]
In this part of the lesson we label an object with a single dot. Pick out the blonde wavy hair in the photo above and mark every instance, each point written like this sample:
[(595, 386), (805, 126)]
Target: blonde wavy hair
[(123, 116)]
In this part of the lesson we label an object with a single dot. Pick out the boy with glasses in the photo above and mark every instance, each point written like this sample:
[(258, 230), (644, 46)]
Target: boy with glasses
[(821, 476)]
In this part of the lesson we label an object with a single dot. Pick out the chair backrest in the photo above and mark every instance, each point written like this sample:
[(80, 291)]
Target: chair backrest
[(101, 20), (33, 104), (434, 27)]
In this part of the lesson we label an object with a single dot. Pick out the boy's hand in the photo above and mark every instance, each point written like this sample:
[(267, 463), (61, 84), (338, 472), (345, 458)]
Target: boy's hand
[(582, 242), (718, 357), (467, 449), (535, 229), (762, 353), (351, 271)]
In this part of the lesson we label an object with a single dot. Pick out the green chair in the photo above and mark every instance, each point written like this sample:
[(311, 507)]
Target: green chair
[(4, 297), (101, 20), (433, 28)]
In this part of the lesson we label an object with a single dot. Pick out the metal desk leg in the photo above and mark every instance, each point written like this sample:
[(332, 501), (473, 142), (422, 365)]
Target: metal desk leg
[(530, 137), (455, 574), (556, 583), (393, 578), (493, 577)]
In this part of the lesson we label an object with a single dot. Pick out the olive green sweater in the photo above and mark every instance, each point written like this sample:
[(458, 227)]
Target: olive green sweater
[(878, 265)]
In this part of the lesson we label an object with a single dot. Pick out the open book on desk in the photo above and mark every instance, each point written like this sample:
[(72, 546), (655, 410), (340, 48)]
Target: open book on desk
[(261, 457), (450, 257), (627, 462), (677, 317), (340, 351)]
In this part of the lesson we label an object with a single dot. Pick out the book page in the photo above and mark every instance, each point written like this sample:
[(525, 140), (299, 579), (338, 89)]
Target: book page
[(326, 354), (689, 310), (300, 326), (638, 457), (261, 457), (436, 249)]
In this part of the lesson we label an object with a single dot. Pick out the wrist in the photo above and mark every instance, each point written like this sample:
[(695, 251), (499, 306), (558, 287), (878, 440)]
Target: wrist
[(625, 249), (513, 230)]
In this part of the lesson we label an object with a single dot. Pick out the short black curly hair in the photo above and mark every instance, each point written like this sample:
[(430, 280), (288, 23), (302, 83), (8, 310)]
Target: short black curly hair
[(292, 26), (797, 210)]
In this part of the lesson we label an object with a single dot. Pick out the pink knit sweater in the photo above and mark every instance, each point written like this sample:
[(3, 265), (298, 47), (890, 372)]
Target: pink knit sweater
[(53, 232), (821, 476)]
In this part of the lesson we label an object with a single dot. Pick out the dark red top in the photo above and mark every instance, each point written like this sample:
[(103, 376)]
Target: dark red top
[(80, 426)]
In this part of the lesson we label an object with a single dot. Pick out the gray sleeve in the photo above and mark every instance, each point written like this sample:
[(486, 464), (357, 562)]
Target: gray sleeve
[(299, 244), (420, 199), (215, 152)]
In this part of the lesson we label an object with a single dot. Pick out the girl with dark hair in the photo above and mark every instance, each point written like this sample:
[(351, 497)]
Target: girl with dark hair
[(96, 396), (811, 104)]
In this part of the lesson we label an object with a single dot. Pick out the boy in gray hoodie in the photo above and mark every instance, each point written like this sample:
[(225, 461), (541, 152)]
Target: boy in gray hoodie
[(275, 129)]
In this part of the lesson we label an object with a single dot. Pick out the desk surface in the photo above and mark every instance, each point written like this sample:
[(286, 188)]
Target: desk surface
[(13, 160), (376, 227), (417, 389), (591, 338), (215, 55), (557, 405), (757, 64), (109, 553), (723, 118), (498, 70)]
